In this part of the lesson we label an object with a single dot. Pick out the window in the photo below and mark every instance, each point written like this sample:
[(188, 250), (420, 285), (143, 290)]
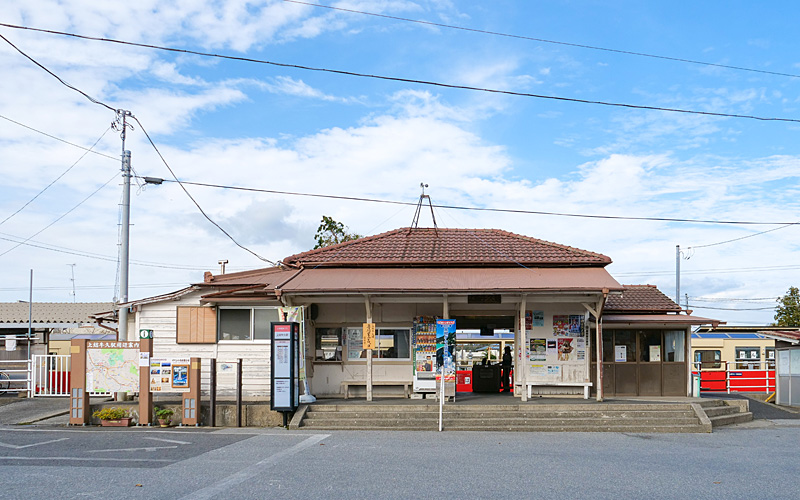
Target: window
[(707, 359), (650, 346), (674, 345), (328, 345), (393, 343), (770, 355), (748, 358), (246, 323)]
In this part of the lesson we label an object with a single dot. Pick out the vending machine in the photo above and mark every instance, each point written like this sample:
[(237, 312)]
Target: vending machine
[(424, 350)]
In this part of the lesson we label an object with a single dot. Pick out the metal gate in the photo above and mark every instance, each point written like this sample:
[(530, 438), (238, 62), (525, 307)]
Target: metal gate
[(15, 376), (50, 375)]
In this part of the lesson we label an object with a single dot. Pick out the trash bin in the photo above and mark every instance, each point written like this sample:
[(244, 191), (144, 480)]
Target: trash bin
[(696, 385)]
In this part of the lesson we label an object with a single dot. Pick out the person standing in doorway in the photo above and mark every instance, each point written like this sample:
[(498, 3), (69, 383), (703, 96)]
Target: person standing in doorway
[(505, 370)]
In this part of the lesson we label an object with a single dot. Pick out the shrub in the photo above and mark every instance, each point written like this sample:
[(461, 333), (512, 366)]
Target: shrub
[(163, 413), (110, 413)]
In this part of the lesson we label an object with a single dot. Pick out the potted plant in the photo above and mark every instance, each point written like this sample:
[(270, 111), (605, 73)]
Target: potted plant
[(163, 415), (113, 417)]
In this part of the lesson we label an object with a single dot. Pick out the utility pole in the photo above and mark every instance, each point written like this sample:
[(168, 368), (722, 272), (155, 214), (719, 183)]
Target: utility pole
[(678, 274), (73, 281), (126, 219)]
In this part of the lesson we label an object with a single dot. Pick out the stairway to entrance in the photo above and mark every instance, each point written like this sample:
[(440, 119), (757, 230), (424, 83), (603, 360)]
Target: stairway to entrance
[(575, 417)]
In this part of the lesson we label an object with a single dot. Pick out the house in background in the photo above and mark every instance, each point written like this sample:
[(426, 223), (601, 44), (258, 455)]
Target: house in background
[(549, 302), (52, 326)]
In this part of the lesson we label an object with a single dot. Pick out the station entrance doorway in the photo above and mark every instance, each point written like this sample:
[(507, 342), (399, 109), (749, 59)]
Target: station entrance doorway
[(480, 344)]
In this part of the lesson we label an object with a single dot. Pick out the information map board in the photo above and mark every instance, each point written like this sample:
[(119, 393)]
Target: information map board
[(112, 367)]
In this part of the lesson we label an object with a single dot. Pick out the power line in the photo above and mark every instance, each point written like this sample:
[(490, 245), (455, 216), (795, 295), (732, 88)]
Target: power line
[(712, 271), (478, 209), (226, 233), (20, 209), (60, 217), (542, 40), (694, 306), (76, 89), (742, 237), (116, 112), (59, 139), (390, 78), (89, 255)]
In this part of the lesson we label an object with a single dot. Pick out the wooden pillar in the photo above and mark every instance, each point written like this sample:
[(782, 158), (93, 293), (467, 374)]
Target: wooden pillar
[(79, 409), (687, 356), (599, 347), (145, 396), (368, 306), (520, 373), (191, 399)]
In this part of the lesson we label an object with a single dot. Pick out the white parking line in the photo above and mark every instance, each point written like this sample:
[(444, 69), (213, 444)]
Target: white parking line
[(92, 459), (149, 448), (169, 440), (223, 487), (19, 447)]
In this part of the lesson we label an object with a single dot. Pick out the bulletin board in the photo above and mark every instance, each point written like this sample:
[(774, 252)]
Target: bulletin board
[(557, 347)]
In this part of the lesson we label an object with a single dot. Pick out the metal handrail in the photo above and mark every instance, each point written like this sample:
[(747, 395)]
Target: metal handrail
[(725, 366), (12, 367)]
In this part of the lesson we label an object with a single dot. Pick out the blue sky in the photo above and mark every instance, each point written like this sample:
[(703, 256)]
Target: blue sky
[(244, 124)]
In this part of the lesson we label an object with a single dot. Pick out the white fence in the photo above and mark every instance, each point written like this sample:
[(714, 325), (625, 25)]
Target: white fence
[(15, 376), (50, 376)]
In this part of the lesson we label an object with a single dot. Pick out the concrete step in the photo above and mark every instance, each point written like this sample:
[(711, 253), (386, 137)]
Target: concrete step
[(504, 408), (715, 411), (518, 428), (498, 422), (731, 418)]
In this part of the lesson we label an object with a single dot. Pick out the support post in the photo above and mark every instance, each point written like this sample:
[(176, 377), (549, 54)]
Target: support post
[(521, 361), (678, 274), (368, 306), (191, 399), (239, 392), (79, 409), (145, 396), (212, 392)]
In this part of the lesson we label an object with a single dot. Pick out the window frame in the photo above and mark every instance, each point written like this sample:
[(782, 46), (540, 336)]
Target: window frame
[(252, 310), (716, 364), (748, 362)]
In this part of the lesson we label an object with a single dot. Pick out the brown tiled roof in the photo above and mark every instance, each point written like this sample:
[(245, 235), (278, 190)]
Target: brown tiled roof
[(640, 298), (269, 277), (51, 312), (448, 247), (451, 280)]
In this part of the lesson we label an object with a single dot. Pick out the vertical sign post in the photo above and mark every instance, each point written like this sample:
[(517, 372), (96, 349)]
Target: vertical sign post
[(145, 396), (78, 397), (284, 367), (368, 343)]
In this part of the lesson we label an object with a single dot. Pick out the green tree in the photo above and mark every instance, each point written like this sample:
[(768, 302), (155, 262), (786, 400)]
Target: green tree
[(331, 232), (788, 311)]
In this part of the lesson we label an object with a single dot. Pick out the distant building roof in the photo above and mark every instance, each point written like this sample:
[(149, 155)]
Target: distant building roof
[(448, 247), (50, 313), (640, 299)]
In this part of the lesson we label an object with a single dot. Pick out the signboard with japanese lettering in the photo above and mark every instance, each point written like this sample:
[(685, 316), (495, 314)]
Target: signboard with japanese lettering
[(369, 336), (112, 366), (169, 375)]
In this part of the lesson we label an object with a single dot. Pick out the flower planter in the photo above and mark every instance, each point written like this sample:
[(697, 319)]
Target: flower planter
[(163, 422), (122, 422)]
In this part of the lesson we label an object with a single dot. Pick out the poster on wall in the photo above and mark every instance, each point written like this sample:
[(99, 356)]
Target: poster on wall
[(580, 343), (581, 355), (576, 325), (354, 339), (533, 318), (554, 370), (565, 349), (620, 353), (552, 347), (538, 370), (538, 350), (560, 325), (655, 353)]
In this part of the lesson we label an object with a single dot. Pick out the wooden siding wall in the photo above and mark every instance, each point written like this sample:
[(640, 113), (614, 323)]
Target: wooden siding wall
[(161, 317)]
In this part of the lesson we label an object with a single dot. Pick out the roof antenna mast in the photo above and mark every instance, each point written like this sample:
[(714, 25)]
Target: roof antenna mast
[(422, 197)]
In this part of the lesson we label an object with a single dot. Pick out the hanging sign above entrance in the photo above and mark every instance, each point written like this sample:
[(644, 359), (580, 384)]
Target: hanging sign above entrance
[(483, 299)]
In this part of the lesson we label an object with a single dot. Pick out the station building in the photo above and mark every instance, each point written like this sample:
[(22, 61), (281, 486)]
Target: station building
[(557, 307)]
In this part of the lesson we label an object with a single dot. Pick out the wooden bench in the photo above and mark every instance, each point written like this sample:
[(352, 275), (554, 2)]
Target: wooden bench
[(585, 385), (348, 383)]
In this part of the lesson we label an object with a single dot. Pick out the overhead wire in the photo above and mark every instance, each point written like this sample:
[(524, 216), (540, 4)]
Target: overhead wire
[(479, 209), (20, 209), (226, 233), (395, 79), (543, 40), (742, 237), (60, 217), (116, 111), (58, 138)]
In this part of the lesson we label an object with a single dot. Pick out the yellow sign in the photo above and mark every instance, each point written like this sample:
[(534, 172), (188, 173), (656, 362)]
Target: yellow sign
[(369, 336)]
